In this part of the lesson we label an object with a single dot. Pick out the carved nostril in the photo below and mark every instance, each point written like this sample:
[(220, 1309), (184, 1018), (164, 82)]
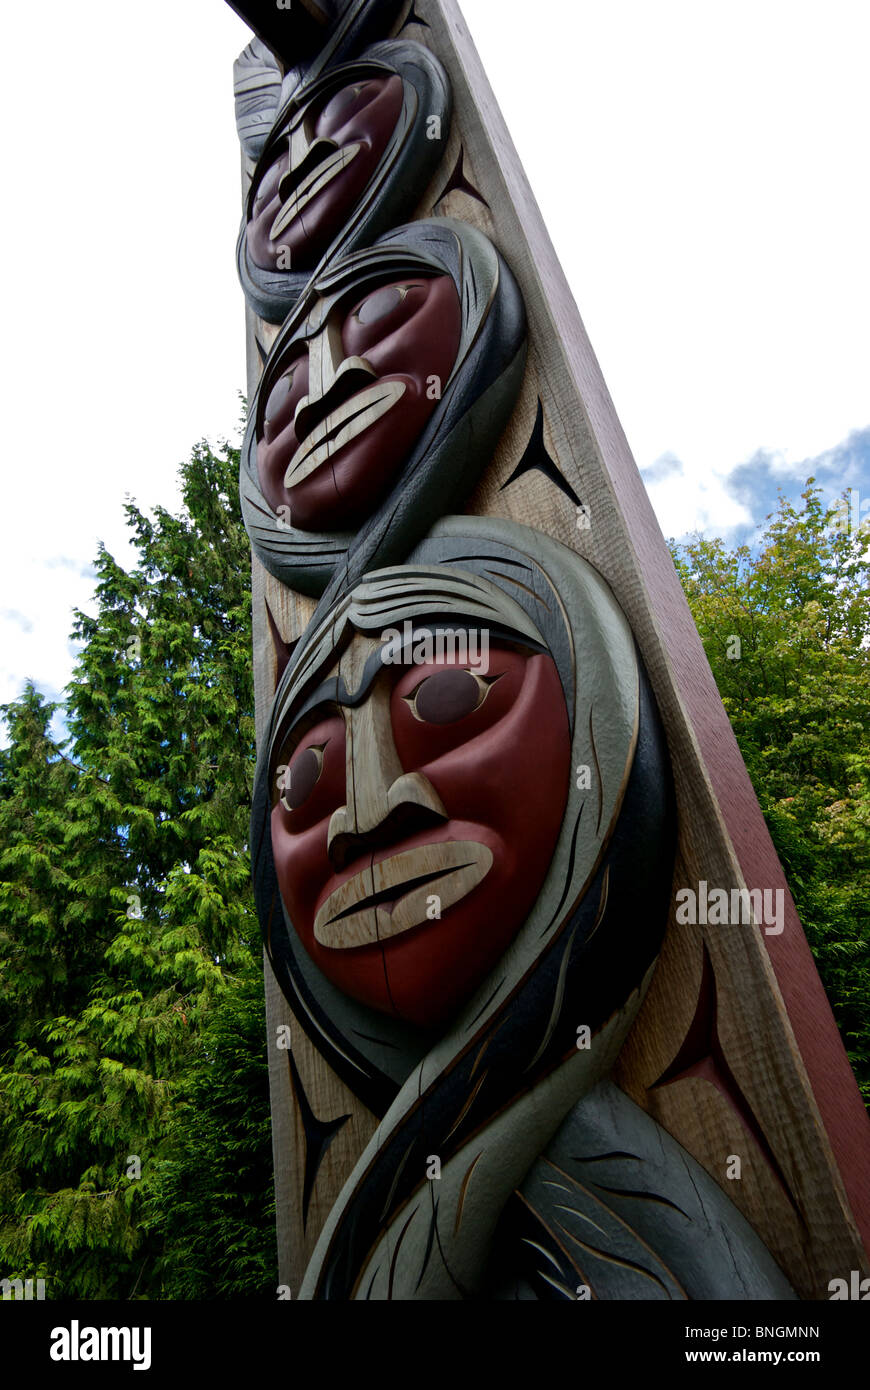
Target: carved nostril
[(413, 789), (404, 820), (353, 374), (292, 177)]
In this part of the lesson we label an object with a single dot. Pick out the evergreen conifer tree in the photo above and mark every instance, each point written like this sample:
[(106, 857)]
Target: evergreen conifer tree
[(133, 1093)]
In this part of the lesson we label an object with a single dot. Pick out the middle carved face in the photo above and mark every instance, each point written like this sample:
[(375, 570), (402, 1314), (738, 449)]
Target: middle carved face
[(353, 396), (414, 824)]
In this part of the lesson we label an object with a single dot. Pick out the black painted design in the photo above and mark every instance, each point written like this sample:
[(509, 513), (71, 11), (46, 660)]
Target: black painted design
[(294, 45), (702, 1056), (458, 183), (414, 18), (304, 31), (537, 457), (319, 1134), (596, 952)]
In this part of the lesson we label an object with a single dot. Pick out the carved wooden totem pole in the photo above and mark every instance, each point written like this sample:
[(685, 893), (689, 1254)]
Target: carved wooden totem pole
[(492, 758)]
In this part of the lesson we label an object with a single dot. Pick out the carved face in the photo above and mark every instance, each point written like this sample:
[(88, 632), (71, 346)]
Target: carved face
[(415, 827), (353, 398), (309, 192)]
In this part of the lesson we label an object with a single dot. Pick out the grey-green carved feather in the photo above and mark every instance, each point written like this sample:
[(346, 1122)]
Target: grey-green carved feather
[(257, 81), (645, 1219)]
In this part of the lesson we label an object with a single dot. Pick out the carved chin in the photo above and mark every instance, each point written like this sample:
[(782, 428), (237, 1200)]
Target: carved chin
[(396, 895)]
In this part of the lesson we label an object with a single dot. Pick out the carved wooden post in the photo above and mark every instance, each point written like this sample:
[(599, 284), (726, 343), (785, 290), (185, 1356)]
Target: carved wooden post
[(527, 933)]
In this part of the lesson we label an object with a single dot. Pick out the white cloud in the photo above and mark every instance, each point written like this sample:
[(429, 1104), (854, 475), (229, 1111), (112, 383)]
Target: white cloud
[(687, 502), (34, 637)]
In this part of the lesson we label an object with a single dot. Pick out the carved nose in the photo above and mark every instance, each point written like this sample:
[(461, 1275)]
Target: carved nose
[(408, 818), (384, 803), (353, 374)]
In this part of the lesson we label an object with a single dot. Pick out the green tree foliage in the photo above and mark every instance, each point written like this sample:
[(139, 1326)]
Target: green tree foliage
[(133, 1093), (796, 685)]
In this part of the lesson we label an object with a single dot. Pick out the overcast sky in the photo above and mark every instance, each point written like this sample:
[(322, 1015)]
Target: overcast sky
[(702, 169)]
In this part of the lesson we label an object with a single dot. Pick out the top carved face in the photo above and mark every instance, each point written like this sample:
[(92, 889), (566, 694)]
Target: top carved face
[(414, 824), (309, 192), (353, 397)]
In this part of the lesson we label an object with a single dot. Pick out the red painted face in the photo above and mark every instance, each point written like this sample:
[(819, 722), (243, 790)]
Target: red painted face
[(451, 804), (307, 195), (346, 412)]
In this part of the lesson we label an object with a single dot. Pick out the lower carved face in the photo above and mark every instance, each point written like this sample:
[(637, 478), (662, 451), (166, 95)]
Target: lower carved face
[(310, 191), (352, 400), (414, 829)]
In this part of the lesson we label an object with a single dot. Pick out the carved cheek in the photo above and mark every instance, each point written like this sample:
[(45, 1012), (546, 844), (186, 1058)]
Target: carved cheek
[(419, 340), (267, 205), (425, 742), (287, 389), (302, 867), (267, 189), (522, 769), (278, 442), (506, 788), (300, 836), (511, 774)]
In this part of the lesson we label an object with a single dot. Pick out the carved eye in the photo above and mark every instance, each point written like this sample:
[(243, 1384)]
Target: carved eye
[(382, 303), (449, 696), (343, 101), (302, 777), (347, 104)]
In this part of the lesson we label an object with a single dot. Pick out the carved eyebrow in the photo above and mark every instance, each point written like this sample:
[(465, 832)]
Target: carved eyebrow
[(337, 293), (294, 735), (334, 693)]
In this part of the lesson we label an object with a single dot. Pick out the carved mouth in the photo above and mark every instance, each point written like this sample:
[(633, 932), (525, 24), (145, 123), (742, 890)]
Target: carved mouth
[(313, 184), (344, 424), (390, 898)]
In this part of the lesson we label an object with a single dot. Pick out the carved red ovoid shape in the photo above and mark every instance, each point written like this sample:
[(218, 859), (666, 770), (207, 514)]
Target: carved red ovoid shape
[(474, 828), (301, 209), (336, 433)]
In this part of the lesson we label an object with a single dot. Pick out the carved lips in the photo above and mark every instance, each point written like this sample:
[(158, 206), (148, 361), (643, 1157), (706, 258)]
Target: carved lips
[(341, 427), (417, 825), (307, 195), (299, 195), (396, 895), (348, 403)]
